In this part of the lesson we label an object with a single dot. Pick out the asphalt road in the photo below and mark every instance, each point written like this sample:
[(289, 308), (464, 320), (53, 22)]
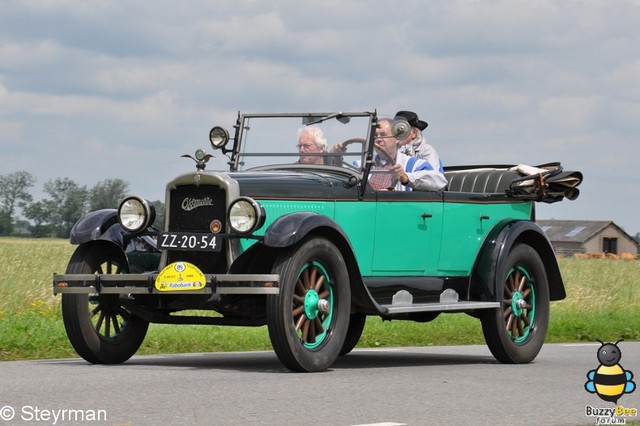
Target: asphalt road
[(453, 385)]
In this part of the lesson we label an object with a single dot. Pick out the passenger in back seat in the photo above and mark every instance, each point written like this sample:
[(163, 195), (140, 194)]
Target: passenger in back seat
[(415, 144)]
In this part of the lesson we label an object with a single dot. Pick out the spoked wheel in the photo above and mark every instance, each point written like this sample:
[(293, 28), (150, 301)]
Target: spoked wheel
[(98, 327), (515, 332), (308, 320), (356, 326)]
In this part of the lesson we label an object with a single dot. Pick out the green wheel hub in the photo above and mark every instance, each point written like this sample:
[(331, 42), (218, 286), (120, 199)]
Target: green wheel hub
[(311, 300)]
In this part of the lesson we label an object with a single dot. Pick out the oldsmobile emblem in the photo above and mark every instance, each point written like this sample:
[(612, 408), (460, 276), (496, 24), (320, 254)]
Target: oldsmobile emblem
[(189, 204)]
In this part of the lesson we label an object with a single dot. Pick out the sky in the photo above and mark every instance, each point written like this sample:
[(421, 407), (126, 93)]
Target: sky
[(103, 89)]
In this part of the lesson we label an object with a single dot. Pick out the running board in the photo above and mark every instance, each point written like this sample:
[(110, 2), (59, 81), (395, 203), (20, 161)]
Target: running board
[(438, 307)]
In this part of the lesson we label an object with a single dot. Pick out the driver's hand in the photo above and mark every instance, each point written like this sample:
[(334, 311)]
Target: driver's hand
[(339, 147), (398, 172)]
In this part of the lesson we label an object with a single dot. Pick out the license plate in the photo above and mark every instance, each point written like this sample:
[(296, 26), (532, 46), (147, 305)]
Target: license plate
[(189, 241)]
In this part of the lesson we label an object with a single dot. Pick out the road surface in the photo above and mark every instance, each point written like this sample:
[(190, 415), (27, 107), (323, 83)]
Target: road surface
[(452, 385)]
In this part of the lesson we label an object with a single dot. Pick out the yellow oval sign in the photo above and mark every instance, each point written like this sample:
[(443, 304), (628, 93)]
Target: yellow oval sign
[(180, 276)]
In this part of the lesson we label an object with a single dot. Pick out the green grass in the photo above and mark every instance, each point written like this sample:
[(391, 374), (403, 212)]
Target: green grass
[(603, 302)]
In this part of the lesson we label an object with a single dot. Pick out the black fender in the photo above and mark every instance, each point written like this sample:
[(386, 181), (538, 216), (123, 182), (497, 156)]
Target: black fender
[(293, 228), (99, 225), (490, 263), (102, 227)]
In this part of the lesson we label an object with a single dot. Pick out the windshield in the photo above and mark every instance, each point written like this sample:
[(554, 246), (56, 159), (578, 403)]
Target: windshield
[(283, 140)]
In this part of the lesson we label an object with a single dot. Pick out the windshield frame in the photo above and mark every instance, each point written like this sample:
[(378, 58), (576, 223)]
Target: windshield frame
[(364, 155)]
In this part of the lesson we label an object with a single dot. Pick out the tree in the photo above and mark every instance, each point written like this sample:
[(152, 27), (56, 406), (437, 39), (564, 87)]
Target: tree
[(57, 215), (107, 194), (160, 213), (6, 224), (13, 193), (67, 204), (39, 214)]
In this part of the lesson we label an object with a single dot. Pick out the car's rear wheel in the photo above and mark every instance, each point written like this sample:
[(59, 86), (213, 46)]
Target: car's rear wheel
[(99, 328), (515, 332), (308, 320)]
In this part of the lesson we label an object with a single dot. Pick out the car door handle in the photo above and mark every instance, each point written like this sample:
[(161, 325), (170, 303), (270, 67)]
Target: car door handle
[(426, 215), (484, 217)]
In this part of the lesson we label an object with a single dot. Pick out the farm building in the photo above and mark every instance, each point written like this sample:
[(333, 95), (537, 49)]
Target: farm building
[(588, 236)]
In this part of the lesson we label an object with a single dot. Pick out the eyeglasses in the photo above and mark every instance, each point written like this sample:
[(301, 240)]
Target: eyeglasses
[(305, 146)]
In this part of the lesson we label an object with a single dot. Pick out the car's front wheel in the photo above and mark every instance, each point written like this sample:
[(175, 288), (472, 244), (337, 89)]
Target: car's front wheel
[(356, 326), (308, 320), (515, 332), (99, 328)]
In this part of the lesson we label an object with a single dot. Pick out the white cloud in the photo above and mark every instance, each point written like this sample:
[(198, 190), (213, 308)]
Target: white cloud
[(142, 77), (568, 113), (156, 107), (16, 56)]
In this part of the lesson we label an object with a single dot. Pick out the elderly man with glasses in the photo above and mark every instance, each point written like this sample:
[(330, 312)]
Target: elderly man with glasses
[(311, 140)]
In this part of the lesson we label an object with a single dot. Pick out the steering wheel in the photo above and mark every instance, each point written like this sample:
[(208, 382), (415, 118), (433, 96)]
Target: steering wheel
[(345, 144)]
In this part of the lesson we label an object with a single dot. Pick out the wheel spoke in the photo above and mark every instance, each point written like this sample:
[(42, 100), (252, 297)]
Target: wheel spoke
[(509, 321), (507, 312), (520, 326), (523, 280), (305, 330), (100, 320), (298, 311), (319, 283), (116, 324), (508, 286), (300, 321), (107, 326), (312, 331), (300, 287), (95, 310), (319, 327), (312, 277), (305, 279)]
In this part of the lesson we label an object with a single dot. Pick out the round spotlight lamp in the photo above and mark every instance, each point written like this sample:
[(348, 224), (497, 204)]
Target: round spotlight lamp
[(136, 214), (245, 215), (218, 137)]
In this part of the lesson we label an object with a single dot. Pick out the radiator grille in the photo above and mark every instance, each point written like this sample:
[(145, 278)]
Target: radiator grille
[(192, 209)]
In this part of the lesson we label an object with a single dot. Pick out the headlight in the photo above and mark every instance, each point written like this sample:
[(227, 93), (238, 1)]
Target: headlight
[(136, 214), (218, 137), (245, 215)]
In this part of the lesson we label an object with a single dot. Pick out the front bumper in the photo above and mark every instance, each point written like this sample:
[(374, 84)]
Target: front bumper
[(145, 284)]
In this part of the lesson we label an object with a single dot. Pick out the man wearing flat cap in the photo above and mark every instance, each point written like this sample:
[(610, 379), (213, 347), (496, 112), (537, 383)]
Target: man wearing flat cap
[(415, 145)]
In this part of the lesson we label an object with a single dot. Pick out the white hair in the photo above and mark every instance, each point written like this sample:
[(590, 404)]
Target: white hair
[(318, 135)]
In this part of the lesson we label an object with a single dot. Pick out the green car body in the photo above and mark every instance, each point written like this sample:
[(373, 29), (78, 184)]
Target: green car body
[(311, 250)]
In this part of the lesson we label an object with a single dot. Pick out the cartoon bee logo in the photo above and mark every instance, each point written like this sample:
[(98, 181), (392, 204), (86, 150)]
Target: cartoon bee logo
[(609, 381)]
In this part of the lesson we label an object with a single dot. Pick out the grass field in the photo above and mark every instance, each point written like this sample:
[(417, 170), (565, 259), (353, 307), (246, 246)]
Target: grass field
[(603, 302)]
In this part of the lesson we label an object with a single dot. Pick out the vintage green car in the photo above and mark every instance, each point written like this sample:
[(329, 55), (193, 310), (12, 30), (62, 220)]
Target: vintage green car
[(311, 250)]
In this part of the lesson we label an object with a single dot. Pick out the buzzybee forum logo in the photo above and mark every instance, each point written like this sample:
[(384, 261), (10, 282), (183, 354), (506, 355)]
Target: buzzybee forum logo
[(610, 381)]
